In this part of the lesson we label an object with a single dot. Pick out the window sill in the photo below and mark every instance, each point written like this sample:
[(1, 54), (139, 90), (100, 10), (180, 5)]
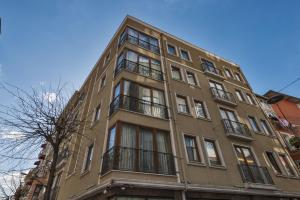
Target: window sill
[(194, 86), (198, 164), (185, 114), (190, 61), (179, 80), (175, 55), (222, 167), (204, 119), (132, 172)]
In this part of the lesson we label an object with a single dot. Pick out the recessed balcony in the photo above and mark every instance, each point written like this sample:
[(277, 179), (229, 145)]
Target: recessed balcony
[(255, 174), (138, 105), (139, 42), (237, 130), (138, 160), (212, 71), (222, 96), (139, 69)]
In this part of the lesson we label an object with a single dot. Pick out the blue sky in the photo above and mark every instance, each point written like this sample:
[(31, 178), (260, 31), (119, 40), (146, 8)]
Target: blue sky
[(44, 41)]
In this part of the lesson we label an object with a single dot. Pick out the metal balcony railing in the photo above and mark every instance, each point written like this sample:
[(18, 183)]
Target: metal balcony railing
[(138, 160), (210, 69), (236, 128), (255, 174), (139, 68), (137, 41), (223, 95), (138, 105)]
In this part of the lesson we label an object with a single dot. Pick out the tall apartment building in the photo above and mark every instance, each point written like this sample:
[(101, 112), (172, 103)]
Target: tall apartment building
[(287, 121), (171, 121)]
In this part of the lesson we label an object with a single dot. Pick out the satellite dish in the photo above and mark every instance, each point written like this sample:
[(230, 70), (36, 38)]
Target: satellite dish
[(275, 99)]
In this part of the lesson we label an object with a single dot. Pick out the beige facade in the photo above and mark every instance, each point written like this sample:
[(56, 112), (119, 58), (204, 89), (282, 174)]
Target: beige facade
[(171, 120)]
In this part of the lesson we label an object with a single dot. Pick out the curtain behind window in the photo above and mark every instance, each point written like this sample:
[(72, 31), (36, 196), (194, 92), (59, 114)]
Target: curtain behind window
[(128, 145), (146, 152), (163, 149)]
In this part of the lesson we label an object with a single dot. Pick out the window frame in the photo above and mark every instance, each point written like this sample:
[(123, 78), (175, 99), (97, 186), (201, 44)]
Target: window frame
[(229, 71), (180, 73), (218, 151), (250, 99), (188, 54), (175, 48), (194, 76), (277, 161), (268, 127), (87, 165), (241, 94), (255, 121), (238, 77), (290, 164), (201, 159), (187, 104), (97, 113), (205, 109)]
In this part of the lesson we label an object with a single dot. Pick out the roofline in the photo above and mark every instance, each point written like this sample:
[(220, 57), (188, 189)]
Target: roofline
[(285, 95), (181, 40)]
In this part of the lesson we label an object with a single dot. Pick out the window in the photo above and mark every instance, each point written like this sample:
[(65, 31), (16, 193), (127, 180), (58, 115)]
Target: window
[(88, 159), (212, 152), (237, 76), (245, 156), (184, 54), (139, 148), (228, 73), (182, 105), (191, 148), (250, 99), (107, 58), (200, 109), (176, 74), (239, 95), (253, 124), (265, 127), (138, 98), (97, 113), (171, 50), (191, 78), (103, 81), (141, 39), (286, 164), (273, 162)]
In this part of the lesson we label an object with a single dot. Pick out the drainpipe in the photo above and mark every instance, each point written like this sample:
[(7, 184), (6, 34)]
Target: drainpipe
[(171, 105)]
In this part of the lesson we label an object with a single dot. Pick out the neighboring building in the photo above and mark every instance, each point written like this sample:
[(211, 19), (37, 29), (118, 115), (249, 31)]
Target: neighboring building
[(37, 177), (287, 122), (169, 120)]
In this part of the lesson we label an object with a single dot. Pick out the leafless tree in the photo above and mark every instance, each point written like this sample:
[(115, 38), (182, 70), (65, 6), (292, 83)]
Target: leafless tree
[(11, 187), (34, 117)]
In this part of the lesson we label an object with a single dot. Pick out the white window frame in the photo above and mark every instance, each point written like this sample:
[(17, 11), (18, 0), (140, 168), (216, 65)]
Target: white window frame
[(202, 161), (230, 71), (290, 162), (275, 154), (219, 152)]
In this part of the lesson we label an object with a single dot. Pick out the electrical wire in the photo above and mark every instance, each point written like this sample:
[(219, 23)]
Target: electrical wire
[(288, 85)]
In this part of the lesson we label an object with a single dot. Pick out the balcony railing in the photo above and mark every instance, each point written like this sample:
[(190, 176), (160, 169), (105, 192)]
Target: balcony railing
[(137, 41), (236, 128), (212, 70), (138, 105), (255, 174), (140, 69), (223, 95), (138, 160)]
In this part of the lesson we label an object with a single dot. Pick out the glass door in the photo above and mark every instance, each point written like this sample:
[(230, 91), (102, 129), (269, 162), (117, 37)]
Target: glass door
[(146, 151), (144, 66), (230, 120)]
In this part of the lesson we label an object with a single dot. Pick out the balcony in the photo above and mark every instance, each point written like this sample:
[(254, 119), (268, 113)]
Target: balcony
[(223, 97), (139, 69), (139, 42), (212, 71), (138, 105), (237, 130), (255, 174), (138, 160)]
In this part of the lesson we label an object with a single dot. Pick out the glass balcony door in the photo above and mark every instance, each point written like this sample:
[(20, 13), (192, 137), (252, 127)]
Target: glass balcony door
[(231, 121)]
